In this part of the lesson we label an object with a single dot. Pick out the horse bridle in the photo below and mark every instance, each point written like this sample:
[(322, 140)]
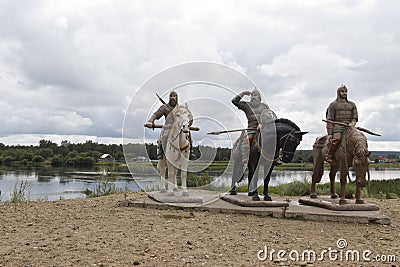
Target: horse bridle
[(286, 136)]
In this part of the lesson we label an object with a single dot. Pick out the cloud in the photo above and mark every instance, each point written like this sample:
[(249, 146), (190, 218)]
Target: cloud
[(81, 62), (308, 61)]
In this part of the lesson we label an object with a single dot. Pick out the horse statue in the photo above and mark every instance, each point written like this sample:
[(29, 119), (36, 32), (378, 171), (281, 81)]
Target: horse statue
[(352, 152), (177, 150), (280, 135)]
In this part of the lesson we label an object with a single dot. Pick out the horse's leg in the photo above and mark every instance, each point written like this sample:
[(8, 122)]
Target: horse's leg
[(359, 200), (175, 182), (184, 167), (318, 170), (267, 178), (172, 178), (360, 183), (161, 168), (252, 166), (236, 175), (332, 176), (343, 181)]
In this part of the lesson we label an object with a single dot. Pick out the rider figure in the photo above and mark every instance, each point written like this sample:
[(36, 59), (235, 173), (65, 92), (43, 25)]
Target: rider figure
[(253, 110), (340, 110), (165, 110)]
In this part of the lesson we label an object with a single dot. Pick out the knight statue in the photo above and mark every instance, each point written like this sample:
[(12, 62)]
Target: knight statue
[(165, 110), (340, 110), (253, 110)]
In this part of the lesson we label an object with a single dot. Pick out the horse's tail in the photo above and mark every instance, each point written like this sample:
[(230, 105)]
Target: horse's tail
[(319, 153)]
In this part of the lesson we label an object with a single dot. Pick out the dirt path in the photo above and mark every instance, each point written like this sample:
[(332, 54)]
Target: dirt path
[(96, 232)]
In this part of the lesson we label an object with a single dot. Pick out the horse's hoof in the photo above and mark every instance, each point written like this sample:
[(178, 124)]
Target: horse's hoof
[(267, 198), (175, 189), (313, 195), (185, 194), (334, 196), (255, 198), (360, 201), (233, 193), (343, 202), (250, 194)]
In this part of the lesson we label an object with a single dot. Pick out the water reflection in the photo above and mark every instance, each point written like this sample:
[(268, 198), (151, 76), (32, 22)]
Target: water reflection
[(61, 183), (56, 183)]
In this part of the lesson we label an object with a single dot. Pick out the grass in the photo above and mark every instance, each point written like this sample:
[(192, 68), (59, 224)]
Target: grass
[(105, 185), (380, 189), (18, 195)]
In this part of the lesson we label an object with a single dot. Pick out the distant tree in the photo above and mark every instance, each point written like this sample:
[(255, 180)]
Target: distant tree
[(38, 158), (46, 153), (7, 160), (303, 156), (46, 144), (57, 161), (65, 143), (151, 151), (223, 153), (393, 156)]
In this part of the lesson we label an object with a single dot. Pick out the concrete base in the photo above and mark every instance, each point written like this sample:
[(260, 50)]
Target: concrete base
[(246, 201), (327, 202), (293, 211), (176, 198)]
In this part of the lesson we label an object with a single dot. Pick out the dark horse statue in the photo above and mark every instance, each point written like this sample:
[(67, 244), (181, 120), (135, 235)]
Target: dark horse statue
[(281, 135)]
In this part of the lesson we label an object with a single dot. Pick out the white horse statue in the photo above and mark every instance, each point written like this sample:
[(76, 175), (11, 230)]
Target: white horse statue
[(176, 150)]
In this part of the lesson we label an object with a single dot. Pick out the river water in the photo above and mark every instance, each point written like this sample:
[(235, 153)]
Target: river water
[(51, 184)]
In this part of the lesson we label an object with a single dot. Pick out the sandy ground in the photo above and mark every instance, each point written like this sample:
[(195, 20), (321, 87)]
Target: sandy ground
[(97, 232)]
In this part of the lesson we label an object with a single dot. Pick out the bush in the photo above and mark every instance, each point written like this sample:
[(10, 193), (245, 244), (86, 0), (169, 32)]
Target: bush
[(38, 158), (70, 162), (84, 161), (7, 160), (298, 188), (57, 161), (195, 180)]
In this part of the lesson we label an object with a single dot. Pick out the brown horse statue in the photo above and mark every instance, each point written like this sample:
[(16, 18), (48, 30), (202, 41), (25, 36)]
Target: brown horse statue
[(352, 152)]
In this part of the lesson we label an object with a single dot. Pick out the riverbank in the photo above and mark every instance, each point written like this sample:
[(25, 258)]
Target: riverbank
[(97, 232)]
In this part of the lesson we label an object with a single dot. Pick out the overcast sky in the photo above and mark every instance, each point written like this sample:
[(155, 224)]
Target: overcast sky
[(70, 69)]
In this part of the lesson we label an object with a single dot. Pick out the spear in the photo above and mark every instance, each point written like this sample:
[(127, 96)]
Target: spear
[(229, 131), (162, 100), (191, 128), (358, 128)]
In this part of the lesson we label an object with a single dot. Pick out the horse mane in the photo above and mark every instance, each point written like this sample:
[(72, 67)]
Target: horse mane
[(357, 142), (288, 122)]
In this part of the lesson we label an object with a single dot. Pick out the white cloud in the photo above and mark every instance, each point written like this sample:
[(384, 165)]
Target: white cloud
[(309, 62), (72, 67)]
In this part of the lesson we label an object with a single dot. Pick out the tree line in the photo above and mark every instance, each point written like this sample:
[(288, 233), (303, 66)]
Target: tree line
[(65, 154), (89, 153)]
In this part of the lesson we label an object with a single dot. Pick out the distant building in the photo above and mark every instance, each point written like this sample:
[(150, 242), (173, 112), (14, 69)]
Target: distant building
[(107, 158), (382, 159)]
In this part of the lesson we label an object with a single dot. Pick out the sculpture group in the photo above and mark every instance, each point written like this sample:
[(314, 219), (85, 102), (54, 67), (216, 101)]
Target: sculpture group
[(267, 141)]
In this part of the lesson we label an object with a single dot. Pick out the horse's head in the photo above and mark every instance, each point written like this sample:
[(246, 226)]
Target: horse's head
[(281, 134), (182, 117), (360, 166), (289, 143)]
